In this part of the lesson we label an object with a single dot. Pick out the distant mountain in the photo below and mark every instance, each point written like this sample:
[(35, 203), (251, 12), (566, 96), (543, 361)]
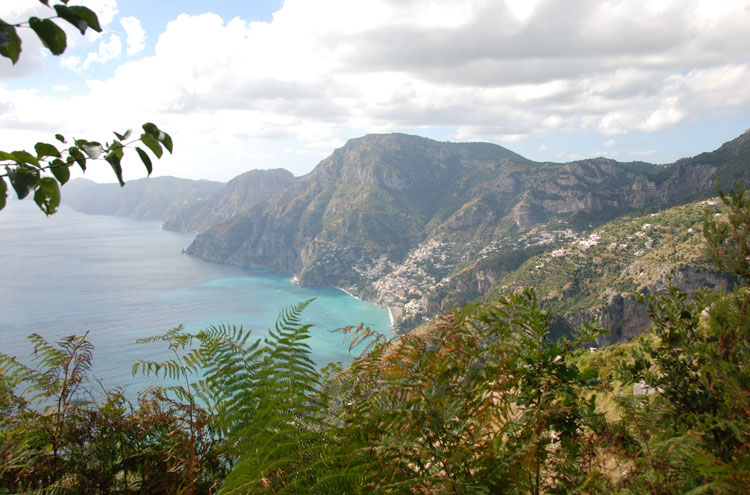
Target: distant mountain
[(377, 196), (416, 224), (151, 198), (236, 196)]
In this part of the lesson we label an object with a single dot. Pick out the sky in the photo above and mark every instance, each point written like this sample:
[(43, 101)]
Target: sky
[(258, 84)]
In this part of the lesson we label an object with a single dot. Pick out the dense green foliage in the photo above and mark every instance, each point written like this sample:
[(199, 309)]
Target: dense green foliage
[(729, 242)]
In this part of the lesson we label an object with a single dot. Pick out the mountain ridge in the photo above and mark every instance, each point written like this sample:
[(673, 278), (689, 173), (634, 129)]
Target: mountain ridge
[(237, 195), (418, 225), (366, 217), (150, 198)]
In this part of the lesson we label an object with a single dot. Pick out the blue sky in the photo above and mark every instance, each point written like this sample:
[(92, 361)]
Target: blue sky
[(280, 83)]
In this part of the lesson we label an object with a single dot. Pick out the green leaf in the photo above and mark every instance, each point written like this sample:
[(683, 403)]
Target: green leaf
[(76, 154), (60, 138), (123, 137), (114, 160), (61, 171), (23, 180), (7, 156), (151, 129), (45, 149), (47, 196), (3, 193), (10, 43), (45, 2), (116, 148), (701, 489), (166, 140), (145, 159), (4, 35), (87, 15), (23, 157), (69, 15), (152, 144), (50, 33)]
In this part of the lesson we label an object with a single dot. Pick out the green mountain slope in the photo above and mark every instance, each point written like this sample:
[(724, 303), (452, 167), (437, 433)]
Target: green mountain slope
[(597, 275), (417, 225)]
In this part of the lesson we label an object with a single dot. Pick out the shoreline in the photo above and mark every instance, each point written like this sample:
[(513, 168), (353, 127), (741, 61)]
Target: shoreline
[(390, 310), (349, 293), (391, 316)]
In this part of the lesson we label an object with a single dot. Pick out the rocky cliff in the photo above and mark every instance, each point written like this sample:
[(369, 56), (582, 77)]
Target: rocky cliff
[(239, 194), (599, 275), (418, 225)]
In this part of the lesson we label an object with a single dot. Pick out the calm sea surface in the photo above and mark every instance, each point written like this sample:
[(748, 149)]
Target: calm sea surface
[(123, 279)]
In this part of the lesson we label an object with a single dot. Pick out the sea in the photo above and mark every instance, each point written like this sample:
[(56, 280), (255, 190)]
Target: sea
[(122, 279)]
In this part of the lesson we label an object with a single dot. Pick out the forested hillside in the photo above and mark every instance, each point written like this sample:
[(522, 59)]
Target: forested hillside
[(600, 275)]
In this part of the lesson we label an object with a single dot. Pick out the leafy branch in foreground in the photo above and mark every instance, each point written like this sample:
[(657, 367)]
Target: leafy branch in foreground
[(51, 35), (62, 368), (262, 398), (26, 171), (729, 241), (57, 436), (482, 403)]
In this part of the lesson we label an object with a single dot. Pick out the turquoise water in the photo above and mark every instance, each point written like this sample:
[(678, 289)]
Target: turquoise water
[(122, 279)]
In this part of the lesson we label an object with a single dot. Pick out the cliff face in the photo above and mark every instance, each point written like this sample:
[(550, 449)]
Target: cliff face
[(418, 225), (152, 198), (375, 196), (626, 318), (384, 194), (599, 275), (240, 193)]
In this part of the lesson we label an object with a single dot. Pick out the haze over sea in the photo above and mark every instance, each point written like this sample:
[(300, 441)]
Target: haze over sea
[(122, 279)]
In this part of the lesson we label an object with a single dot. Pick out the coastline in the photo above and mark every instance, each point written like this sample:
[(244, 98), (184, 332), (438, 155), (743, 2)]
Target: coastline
[(349, 293), (391, 315), (389, 308)]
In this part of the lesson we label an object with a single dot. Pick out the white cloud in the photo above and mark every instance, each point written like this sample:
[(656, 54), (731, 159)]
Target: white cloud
[(326, 70), (522, 9), (663, 118), (108, 50), (135, 35), (13, 11), (71, 62)]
